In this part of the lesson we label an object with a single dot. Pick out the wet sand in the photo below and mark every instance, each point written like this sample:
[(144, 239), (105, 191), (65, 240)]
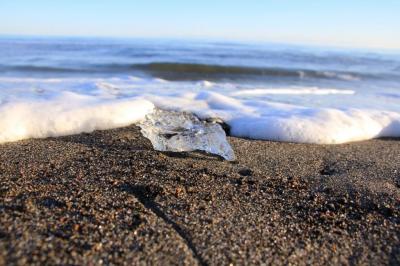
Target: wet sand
[(107, 197)]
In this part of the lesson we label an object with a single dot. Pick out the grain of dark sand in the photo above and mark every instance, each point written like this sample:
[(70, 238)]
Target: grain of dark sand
[(107, 197)]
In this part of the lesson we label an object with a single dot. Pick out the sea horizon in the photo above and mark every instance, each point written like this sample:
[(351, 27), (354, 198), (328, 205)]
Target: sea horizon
[(256, 42)]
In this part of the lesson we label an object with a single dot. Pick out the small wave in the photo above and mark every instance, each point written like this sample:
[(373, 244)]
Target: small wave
[(189, 71), (177, 71)]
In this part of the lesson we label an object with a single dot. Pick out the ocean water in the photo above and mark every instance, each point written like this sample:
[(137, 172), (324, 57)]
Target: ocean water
[(61, 86)]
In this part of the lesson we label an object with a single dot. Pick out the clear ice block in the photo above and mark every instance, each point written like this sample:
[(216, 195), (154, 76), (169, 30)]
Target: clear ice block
[(179, 131)]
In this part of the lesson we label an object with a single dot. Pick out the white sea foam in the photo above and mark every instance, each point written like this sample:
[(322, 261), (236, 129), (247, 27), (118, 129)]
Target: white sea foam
[(347, 77), (58, 107), (282, 122), (67, 114), (292, 91)]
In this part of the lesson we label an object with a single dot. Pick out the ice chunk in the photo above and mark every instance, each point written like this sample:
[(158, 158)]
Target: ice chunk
[(178, 131)]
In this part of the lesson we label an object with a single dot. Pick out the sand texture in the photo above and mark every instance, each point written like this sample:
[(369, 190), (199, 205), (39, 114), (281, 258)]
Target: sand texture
[(108, 197)]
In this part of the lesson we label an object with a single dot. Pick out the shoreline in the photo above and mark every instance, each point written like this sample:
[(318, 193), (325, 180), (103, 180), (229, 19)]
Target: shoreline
[(108, 197)]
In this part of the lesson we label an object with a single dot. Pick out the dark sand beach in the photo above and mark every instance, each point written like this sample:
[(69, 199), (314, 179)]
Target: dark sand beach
[(108, 198)]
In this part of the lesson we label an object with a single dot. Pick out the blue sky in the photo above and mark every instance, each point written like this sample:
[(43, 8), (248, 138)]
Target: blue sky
[(356, 23)]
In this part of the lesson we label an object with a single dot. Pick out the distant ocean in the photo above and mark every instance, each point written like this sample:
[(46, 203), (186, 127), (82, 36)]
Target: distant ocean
[(59, 86)]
